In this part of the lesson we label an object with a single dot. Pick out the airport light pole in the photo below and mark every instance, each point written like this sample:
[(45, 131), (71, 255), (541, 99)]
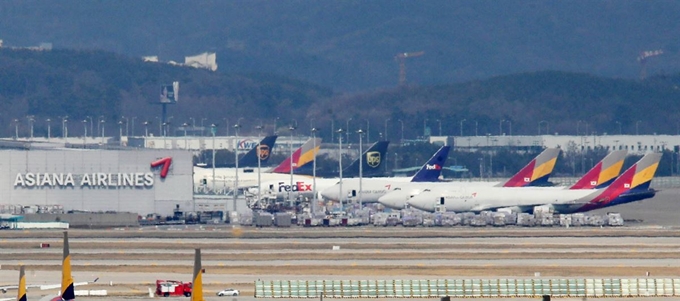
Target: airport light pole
[(146, 129), (133, 125), (127, 125), (313, 205), (31, 119), (91, 126), (500, 127), (85, 129), (102, 128), (340, 166), (186, 142), (202, 128), (291, 128), (236, 126), (476, 127), (361, 168), (461, 127), (120, 132), (65, 125), (49, 128), (213, 129), (16, 129), (259, 161), (509, 127)]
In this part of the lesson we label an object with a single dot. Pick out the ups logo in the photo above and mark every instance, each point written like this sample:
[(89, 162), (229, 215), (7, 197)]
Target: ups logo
[(373, 159), (263, 151)]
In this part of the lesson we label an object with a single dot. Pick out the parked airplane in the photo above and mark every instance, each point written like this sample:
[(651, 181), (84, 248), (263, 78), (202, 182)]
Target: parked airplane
[(247, 177), (373, 188), (632, 185), (535, 173), (263, 150), (67, 285), (304, 185)]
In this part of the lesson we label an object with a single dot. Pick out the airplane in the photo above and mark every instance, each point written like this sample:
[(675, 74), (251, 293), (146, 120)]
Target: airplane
[(266, 146), (247, 177), (374, 188), (67, 285), (535, 173), (632, 185), (304, 185)]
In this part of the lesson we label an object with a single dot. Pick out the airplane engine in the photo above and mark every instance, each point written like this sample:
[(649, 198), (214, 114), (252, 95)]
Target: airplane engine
[(514, 209), (544, 209)]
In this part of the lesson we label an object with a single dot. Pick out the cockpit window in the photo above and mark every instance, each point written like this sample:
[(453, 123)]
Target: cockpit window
[(426, 190), (397, 188)]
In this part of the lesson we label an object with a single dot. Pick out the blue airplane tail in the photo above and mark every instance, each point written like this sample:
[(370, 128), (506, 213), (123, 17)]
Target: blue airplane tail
[(431, 171)]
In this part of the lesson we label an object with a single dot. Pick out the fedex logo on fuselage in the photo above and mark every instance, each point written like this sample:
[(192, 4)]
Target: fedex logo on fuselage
[(433, 167), (297, 186)]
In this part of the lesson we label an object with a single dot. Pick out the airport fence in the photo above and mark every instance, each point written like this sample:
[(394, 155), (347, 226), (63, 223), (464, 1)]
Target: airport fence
[(469, 288)]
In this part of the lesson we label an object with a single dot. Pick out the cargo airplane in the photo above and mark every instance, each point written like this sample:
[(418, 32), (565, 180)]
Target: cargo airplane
[(598, 177), (632, 185), (304, 185), (536, 172)]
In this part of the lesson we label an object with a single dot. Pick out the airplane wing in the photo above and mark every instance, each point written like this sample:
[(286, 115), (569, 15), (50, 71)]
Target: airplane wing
[(42, 287)]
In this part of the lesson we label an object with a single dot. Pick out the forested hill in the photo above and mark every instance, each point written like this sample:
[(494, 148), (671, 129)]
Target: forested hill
[(557, 100), (49, 84), (77, 84)]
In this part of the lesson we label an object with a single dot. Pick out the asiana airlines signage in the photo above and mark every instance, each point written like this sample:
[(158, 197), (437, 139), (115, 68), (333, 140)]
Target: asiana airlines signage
[(98, 179)]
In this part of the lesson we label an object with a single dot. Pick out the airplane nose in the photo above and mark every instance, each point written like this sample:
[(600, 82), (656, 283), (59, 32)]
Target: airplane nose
[(392, 200), (422, 202), (331, 193)]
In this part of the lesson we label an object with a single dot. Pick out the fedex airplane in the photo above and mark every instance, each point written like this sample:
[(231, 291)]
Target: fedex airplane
[(67, 291), (303, 185), (632, 185), (598, 177)]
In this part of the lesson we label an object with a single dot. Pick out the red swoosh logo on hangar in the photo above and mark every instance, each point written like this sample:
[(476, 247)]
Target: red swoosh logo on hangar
[(166, 162)]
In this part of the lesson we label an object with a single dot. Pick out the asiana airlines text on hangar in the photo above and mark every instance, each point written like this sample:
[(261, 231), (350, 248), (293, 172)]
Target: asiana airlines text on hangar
[(139, 181)]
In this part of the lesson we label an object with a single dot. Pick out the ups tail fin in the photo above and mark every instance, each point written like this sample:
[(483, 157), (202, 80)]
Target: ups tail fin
[(197, 285), (300, 157), (603, 173), (67, 290), (537, 172), (21, 295), (263, 150), (432, 169), (372, 160), (634, 180)]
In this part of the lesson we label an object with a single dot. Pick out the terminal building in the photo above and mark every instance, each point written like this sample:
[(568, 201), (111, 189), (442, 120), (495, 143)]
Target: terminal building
[(135, 180)]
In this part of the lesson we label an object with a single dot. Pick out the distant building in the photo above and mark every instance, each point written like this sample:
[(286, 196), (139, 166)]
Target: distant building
[(634, 144)]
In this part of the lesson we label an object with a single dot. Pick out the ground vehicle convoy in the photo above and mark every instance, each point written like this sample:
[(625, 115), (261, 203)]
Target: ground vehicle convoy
[(167, 288), (228, 292)]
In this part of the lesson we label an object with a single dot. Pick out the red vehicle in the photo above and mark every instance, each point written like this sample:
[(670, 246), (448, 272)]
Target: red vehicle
[(167, 288)]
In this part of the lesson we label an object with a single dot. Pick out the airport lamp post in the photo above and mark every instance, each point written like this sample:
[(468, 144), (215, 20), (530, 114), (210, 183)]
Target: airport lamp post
[(120, 132), (31, 119), (49, 128), (127, 125), (101, 125), (476, 127), (461, 127), (146, 129), (313, 205), (16, 129), (236, 126), (132, 130), (259, 161), (91, 126), (290, 145), (500, 127), (340, 165), (85, 129), (65, 124), (186, 142), (361, 168), (213, 129)]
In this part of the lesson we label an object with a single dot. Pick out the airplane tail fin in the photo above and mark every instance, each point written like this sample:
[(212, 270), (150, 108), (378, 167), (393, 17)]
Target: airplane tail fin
[(603, 173), (635, 179), (21, 295), (67, 289), (300, 157), (263, 151), (537, 172), (197, 285), (372, 159), (432, 169)]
